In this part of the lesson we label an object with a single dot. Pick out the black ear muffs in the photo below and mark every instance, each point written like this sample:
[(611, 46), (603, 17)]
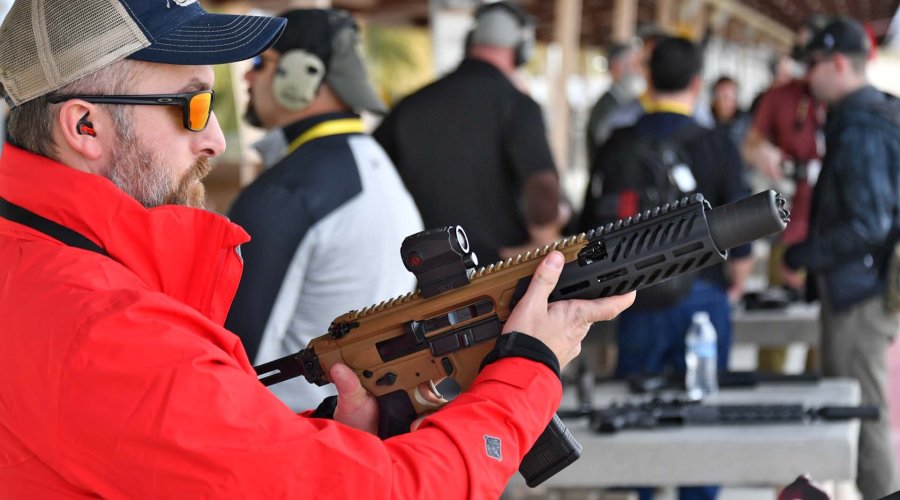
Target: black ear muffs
[(85, 127), (525, 48)]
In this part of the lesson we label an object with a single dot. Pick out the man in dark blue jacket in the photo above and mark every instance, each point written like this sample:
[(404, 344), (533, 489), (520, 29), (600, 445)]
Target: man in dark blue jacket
[(854, 222)]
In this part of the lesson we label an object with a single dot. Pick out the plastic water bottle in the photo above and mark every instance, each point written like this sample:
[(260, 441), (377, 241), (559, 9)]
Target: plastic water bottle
[(702, 376)]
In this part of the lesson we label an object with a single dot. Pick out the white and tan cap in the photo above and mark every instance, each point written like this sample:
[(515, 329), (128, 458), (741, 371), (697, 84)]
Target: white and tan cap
[(45, 44)]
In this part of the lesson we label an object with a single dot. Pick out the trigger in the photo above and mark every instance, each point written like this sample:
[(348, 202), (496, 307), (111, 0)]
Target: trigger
[(427, 403), (435, 390)]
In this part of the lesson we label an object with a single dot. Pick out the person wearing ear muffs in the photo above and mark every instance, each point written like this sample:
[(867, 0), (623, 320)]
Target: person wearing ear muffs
[(327, 216), (472, 147)]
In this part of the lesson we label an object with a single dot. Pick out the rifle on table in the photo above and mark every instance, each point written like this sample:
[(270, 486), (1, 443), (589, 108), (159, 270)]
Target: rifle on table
[(448, 327), (657, 413), (674, 382), (642, 384)]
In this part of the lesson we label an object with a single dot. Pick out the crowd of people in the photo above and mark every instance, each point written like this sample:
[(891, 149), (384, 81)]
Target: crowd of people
[(833, 138), (131, 318)]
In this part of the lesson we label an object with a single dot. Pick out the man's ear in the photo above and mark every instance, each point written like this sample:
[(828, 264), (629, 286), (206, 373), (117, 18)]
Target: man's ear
[(696, 85), (77, 130), (842, 64)]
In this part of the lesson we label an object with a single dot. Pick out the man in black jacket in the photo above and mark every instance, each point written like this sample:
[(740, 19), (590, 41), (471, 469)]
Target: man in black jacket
[(472, 147), (854, 221)]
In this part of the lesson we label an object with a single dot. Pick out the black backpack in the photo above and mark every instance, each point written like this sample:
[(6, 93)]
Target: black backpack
[(632, 173)]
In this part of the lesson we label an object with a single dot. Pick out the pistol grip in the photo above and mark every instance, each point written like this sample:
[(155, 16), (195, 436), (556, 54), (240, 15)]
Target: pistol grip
[(395, 414)]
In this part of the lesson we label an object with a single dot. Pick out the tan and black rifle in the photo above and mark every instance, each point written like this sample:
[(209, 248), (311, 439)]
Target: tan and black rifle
[(446, 328)]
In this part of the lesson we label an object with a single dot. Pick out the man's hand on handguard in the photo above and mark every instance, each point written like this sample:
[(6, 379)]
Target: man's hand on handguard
[(560, 325)]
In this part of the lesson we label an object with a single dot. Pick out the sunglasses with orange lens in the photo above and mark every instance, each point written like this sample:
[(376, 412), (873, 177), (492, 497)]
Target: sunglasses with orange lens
[(196, 107)]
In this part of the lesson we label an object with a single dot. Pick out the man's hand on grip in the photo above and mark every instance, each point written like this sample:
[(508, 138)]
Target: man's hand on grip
[(560, 325), (355, 407)]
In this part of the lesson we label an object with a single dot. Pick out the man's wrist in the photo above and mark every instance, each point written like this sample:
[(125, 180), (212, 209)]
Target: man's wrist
[(524, 346)]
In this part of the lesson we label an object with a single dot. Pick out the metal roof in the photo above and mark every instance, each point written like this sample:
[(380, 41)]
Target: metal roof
[(596, 22)]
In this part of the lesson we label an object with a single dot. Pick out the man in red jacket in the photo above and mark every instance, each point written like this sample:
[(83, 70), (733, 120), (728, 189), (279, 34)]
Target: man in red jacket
[(117, 379)]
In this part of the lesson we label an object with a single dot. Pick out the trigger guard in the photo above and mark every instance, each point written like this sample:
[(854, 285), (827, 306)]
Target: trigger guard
[(426, 403)]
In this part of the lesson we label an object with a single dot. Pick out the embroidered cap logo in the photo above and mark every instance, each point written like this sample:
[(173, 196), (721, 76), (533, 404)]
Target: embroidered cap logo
[(180, 3), (492, 447)]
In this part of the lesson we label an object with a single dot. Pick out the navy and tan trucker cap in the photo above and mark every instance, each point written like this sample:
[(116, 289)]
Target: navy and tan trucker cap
[(45, 44)]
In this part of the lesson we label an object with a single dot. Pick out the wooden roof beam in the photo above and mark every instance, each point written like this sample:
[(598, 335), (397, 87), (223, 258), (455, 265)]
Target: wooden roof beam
[(773, 29), (397, 14), (567, 36), (624, 17)]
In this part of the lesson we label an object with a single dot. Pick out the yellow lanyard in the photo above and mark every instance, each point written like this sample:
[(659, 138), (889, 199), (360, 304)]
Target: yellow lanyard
[(324, 129), (663, 106)]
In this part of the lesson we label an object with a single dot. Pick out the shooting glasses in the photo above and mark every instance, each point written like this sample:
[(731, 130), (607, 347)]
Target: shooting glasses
[(196, 107)]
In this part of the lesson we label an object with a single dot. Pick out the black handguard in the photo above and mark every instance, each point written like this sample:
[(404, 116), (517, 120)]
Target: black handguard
[(667, 241)]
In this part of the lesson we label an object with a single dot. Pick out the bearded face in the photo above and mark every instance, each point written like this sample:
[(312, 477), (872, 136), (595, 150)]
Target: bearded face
[(139, 171)]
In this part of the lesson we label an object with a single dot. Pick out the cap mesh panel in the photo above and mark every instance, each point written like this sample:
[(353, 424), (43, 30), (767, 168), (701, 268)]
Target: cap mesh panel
[(45, 44)]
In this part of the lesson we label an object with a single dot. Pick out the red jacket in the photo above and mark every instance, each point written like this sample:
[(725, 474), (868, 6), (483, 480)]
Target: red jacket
[(118, 380)]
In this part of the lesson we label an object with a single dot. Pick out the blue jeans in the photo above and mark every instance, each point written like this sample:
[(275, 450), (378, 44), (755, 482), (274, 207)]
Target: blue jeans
[(652, 342)]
